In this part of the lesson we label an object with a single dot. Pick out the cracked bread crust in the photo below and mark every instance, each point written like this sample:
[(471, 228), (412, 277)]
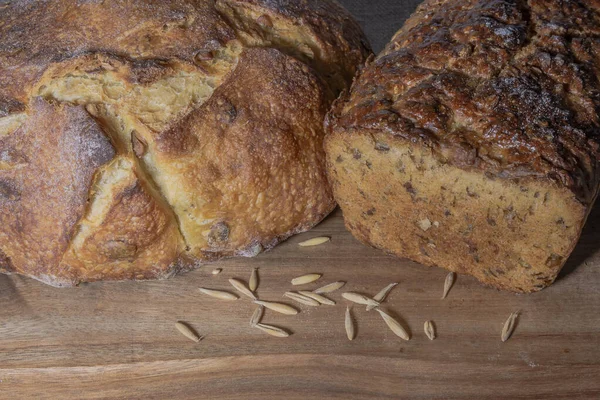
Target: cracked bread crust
[(199, 124), (508, 89)]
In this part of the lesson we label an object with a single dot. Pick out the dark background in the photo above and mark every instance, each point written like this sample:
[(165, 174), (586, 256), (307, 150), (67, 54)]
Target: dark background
[(380, 19)]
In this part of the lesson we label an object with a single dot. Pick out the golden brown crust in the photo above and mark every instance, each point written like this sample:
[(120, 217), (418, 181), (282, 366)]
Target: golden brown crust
[(503, 90), (213, 110), (242, 164), (128, 234), (44, 184)]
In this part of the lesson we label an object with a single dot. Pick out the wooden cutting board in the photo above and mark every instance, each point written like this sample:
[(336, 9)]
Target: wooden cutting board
[(118, 340)]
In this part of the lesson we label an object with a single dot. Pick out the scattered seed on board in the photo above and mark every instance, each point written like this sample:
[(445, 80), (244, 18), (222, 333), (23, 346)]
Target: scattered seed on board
[(349, 324), (429, 330), (257, 316), (304, 279), (317, 297), (450, 278), (216, 271), (219, 294), (279, 307), (315, 241), (330, 287), (187, 331), (253, 282), (301, 299), (394, 325), (242, 288), (509, 326), (359, 299), (379, 297), (273, 330)]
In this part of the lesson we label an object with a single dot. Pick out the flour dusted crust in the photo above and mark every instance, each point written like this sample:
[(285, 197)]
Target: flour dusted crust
[(141, 138), (471, 141)]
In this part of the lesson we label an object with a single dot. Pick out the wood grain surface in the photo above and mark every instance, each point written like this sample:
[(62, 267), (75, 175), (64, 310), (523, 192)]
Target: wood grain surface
[(118, 340)]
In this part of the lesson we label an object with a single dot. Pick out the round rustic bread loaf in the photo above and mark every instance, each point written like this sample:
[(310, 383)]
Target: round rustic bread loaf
[(141, 138)]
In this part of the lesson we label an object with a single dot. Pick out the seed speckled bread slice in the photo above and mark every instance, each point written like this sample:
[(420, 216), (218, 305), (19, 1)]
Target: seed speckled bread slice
[(141, 138), (471, 141)]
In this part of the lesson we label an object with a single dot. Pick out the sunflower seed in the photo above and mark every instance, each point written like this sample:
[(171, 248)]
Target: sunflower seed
[(279, 307), (394, 325), (314, 241), (331, 287), (253, 282), (450, 278), (359, 299), (187, 331), (219, 294), (382, 295), (301, 299), (317, 297), (257, 316), (304, 279), (509, 326), (272, 330), (429, 330), (216, 271), (242, 288), (349, 324)]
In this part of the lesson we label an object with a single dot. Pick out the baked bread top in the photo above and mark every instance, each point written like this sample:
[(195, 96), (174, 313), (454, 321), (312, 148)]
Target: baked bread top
[(138, 138), (507, 87)]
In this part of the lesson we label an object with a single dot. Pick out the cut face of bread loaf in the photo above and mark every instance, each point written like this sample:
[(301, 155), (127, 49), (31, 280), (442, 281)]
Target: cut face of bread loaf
[(141, 138), (471, 141)]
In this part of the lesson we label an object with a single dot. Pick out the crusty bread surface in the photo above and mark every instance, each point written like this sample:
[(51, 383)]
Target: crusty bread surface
[(142, 138), (471, 141)]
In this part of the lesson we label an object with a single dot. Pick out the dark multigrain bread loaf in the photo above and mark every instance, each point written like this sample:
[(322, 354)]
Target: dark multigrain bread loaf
[(142, 137), (471, 141)]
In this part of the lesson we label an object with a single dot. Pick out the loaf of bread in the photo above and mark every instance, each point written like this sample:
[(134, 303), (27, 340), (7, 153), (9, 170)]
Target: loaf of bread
[(471, 141), (141, 138)]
